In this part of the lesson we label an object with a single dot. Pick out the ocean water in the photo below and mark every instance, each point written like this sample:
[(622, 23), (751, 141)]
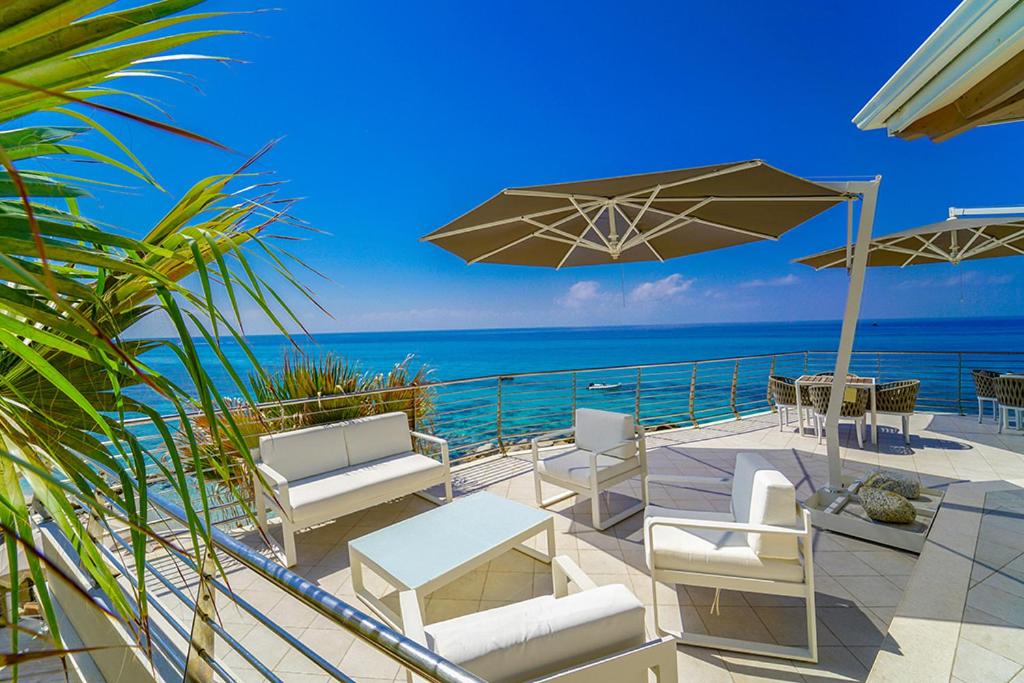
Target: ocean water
[(476, 421), (457, 354)]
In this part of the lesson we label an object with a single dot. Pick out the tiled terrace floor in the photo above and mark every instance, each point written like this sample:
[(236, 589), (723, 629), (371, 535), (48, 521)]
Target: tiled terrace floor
[(858, 584)]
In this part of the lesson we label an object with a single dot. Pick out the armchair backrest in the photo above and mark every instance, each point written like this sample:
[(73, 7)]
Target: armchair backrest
[(306, 452), (377, 436), (763, 495), (598, 430)]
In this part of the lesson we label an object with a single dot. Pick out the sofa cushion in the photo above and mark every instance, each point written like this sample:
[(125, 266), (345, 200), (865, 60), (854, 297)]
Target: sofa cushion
[(763, 495), (324, 497), (709, 551), (377, 436), (574, 465), (598, 430), (305, 452), (541, 636)]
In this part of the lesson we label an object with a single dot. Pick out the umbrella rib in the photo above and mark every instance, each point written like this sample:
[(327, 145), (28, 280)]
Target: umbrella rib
[(658, 229), (590, 222), (975, 234), (551, 228), (713, 224), (503, 221), (926, 246), (1001, 242)]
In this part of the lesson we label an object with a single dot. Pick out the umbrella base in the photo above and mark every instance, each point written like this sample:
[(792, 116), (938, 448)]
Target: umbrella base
[(840, 511)]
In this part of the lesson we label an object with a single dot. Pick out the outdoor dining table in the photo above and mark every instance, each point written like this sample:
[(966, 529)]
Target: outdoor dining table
[(861, 382)]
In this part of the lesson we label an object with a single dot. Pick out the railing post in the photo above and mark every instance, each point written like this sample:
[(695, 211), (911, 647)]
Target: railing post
[(501, 444), (197, 669), (960, 382), (572, 416), (807, 356), (732, 389), (693, 390), (636, 408), (768, 390)]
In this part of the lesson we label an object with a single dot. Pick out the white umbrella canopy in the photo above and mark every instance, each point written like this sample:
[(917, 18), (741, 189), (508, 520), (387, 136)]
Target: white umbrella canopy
[(645, 217)]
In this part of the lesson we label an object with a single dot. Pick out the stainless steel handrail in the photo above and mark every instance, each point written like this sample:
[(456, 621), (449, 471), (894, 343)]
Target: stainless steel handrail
[(408, 653)]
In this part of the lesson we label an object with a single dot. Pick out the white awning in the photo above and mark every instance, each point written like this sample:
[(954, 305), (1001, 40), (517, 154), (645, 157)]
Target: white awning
[(969, 72)]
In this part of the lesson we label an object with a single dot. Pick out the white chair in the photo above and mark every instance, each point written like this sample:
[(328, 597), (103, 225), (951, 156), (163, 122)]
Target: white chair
[(762, 546), (608, 449), (320, 473), (596, 635), (856, 410)]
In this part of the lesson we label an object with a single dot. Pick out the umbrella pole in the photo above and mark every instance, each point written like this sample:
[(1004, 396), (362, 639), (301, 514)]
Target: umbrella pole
[(869, 194)]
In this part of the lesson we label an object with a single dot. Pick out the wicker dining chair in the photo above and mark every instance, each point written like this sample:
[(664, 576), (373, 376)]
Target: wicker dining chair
[(855, 411), (783, 393), (898, 398), (985, 388), (1010, 394)]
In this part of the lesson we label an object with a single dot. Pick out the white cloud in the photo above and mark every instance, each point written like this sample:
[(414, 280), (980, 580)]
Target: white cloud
[(1002, 279), (656, 290), (783, 281), (583, 293)]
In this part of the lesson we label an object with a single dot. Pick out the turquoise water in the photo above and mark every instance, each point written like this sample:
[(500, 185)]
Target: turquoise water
[(457, 354), (467, 414)]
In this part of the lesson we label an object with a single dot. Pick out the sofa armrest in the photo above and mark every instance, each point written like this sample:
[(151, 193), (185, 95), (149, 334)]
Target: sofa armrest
[(712, 525), (445, 459), (278, 484), (548, 436), (564, 571)]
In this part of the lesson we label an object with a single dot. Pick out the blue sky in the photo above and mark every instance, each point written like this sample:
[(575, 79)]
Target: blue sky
[(399, 116)]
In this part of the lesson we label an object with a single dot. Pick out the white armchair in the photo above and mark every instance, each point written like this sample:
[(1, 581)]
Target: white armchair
[(608, 449), (762, 546), (595, 635)]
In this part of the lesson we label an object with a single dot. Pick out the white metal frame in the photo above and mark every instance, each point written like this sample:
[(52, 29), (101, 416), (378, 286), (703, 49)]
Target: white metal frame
[(594, 487), (278, 491), (590, 208), (657, 656), (358, 561), (804, 590), (982, 400), (868, 191)]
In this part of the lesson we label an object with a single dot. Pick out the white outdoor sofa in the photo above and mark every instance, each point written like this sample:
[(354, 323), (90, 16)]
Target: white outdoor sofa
[(595, 635), (320, 473), (762, 546)]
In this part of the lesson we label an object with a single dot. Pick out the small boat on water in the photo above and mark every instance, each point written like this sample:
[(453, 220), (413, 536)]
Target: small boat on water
[(603, 386)]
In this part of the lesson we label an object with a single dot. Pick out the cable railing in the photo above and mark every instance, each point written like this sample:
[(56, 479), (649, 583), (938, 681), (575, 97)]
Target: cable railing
[(499, 415)]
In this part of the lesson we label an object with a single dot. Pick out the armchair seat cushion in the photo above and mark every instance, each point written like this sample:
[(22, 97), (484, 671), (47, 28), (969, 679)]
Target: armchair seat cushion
[(574, 466), (709, 551), (340, 492), (541, 636)]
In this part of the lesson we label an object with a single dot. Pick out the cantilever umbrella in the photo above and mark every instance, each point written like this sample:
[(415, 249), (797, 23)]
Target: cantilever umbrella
[(658, 216), (949, 241), (647, 217)]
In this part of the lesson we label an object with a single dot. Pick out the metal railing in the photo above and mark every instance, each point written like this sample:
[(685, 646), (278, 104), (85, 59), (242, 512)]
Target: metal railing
[(198, 653), (499, 414)]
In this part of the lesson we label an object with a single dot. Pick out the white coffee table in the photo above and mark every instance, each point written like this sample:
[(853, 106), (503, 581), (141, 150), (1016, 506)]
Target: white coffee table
[(432, 549)]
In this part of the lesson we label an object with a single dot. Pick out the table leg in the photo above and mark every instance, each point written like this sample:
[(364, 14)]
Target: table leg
[(376, 605), (549, 532), (799, 412)]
